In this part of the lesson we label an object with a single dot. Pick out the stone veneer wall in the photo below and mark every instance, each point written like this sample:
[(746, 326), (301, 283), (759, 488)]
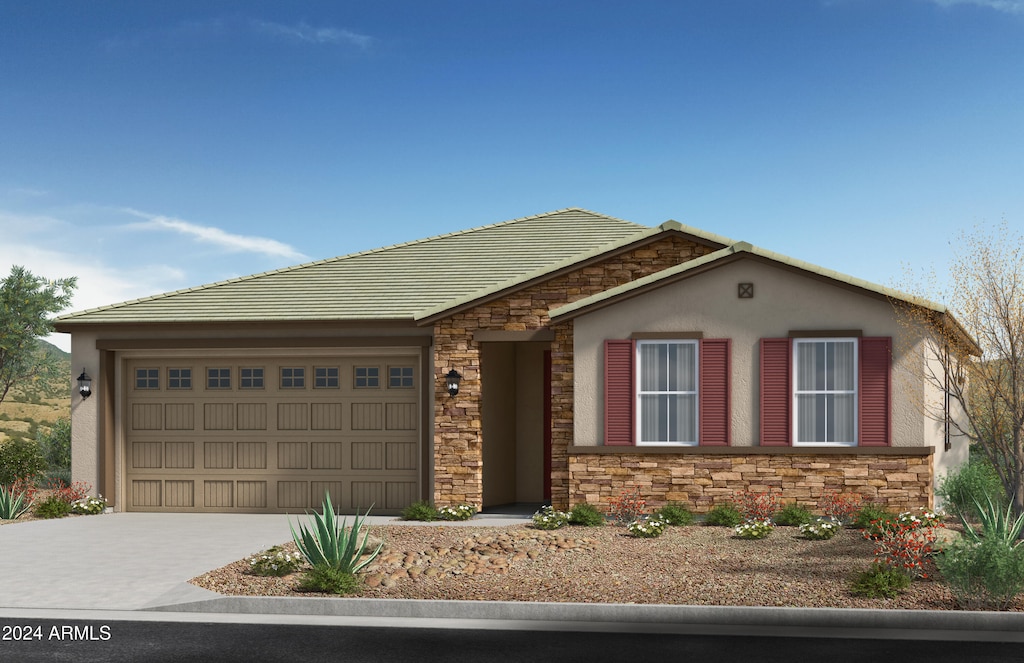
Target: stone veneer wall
[(898, 478), (458, 435)]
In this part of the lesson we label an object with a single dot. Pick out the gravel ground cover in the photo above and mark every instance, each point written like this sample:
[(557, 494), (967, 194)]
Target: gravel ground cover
[(687, 565)]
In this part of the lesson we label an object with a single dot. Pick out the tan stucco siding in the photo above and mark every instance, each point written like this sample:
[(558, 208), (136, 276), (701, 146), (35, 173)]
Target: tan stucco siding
[(784, 301)]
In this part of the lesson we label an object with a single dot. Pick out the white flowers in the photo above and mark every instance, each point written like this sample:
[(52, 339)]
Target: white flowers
[(755, 529), (549, 518), (824, 528), (459, 512), (89, 505), (647, 528)]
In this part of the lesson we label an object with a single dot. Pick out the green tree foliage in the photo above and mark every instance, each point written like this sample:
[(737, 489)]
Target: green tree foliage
[(26, 304)]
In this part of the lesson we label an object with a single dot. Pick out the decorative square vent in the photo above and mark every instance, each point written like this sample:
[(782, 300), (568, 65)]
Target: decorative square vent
[(746, 290)]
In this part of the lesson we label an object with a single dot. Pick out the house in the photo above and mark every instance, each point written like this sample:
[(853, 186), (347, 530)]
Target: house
[(594, 355)]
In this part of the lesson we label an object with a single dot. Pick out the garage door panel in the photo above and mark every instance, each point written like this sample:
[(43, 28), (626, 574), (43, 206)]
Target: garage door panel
[(270, 449)]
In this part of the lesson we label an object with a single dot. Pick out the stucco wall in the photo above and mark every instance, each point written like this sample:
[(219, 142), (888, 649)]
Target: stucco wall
[(783, 301)]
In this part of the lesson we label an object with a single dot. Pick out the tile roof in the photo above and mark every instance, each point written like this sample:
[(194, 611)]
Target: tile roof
[(390, 283)]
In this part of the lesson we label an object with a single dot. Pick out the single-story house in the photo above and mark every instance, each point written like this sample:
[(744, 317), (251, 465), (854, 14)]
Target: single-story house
[(594, 355)]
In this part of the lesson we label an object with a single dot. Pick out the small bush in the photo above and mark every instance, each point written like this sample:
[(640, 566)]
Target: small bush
[(675, 514), (723, 515), (880, 582), (55, 447), (647, 528), (985, 575), (757, 506), (89, 506), (754, 529), (822, 530), (549, 518), (586, 514), (793, 515), (628, 507), (329, 580), (423, 511), (52, 507), (971, 483), (458, 512), (839, 507), (20, 459), (275, 562), (869, 513)]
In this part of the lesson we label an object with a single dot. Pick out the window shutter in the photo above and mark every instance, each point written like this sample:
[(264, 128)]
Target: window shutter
[(619, 395), (715, 391), (874, 392), (776, 392)]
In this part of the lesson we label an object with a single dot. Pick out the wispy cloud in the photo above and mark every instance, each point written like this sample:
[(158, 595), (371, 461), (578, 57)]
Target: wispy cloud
[(216, 236), (1008, 6), (311, 34)]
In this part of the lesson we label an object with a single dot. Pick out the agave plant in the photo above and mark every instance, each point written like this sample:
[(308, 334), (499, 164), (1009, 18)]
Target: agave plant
[(996, 523), (12, 503), (328, 544)]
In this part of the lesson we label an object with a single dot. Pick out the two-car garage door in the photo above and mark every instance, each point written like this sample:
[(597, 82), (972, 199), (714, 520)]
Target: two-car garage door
[(267, 434)]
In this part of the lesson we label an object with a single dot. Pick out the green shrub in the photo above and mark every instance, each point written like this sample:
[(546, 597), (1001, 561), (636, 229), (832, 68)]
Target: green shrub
[(20, 459), (55, 446), (983, 575), (723, 515), (457, 512), (274, 561), (675, 514), (328, 544), (328, 580), (793, 515), (89, 506), (423, 511), (880, 582), (647, 528), (586, 514), (971, 483), (52, 507), (13, 503), (871, 512), (822, 530), (548, 518), (996, 523), (754, 529)]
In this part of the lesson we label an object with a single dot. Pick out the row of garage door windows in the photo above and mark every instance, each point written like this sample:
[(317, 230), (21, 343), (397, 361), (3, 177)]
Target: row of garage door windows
[(290, 377)]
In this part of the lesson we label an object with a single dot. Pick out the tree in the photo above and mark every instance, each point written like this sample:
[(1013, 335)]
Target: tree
[(26, 302), (978, 363)]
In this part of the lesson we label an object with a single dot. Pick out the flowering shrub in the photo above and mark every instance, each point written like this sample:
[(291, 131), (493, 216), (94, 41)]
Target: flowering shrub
[(840, 508), (627, 508), (89, 505), (548, 518), (647, 528), (275, 562), (904, 547), (757, 506), (821, 530), (458, 512), (754, 529), (922, 518)]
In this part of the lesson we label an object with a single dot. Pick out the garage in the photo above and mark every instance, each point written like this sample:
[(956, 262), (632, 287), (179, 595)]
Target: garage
[(272, 433)]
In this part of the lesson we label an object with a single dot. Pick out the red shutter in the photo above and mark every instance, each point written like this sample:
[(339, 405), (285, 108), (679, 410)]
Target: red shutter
[(874, 392), (715, 391), (776, 392), (618, 392)]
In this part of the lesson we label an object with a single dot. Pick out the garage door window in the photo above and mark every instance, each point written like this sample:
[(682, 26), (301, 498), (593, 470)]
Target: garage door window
[(179, 378), (400, 377), (250, 378), (325, 377), (293, 378), (367, 377), (218, 378), (147, 378)]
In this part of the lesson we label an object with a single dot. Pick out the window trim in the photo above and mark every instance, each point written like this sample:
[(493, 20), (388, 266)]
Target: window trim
[(794, 391), (262, 377), (327, 377), (638, 392), (149, 378), (180, 377), (411, 377)]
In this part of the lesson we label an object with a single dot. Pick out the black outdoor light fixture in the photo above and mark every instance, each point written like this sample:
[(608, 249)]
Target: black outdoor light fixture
[(452, 380), (84, 385)]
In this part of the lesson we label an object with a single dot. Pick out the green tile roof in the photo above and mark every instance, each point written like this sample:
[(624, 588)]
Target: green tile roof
[(391, 283)]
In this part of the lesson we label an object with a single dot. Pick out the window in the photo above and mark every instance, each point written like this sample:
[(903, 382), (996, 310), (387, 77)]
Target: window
[(367, 377), (293, 378), (667, 392), (325, 377), (400, 377), (250, 378), (147, 378), (218, 378), (825, 394), (179, 378)]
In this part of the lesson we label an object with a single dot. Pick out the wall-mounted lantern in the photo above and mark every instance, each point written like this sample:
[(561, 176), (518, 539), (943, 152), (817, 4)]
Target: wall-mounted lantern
[(84, 385), (452, 380)]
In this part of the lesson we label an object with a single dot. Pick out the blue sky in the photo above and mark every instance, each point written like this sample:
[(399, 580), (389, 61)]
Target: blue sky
[(147, 146)]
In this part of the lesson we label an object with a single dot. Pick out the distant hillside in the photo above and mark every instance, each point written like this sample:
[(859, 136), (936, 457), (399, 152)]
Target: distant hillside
[(37, 406), (53, 351)]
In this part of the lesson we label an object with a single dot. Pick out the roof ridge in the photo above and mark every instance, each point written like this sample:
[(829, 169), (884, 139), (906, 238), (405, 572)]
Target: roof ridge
[(334, 259)]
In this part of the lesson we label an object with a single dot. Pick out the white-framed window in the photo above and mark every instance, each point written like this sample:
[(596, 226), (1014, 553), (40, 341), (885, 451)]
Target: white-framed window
[(825, 391), (667, 392)]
